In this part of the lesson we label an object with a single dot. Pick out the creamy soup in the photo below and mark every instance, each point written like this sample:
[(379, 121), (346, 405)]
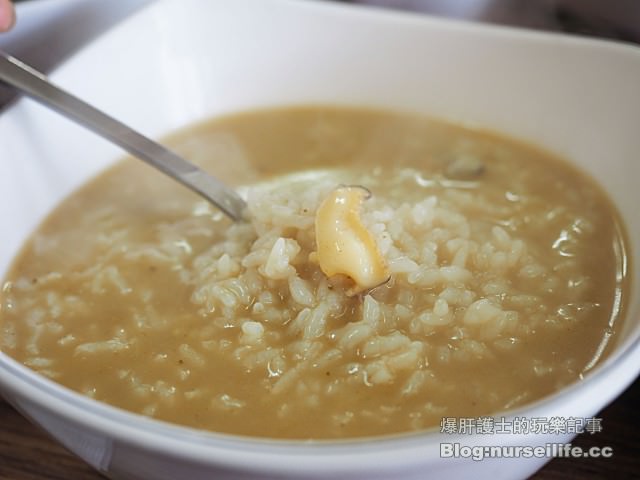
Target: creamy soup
[(501, 279)]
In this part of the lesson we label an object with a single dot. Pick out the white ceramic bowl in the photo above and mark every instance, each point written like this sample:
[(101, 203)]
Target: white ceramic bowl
[(179, 61)]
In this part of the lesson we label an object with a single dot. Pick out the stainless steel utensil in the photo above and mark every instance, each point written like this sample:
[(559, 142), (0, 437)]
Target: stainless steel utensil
[(35, 84)]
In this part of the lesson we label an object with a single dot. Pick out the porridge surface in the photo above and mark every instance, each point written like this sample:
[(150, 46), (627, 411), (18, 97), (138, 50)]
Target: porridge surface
[(506, 280)]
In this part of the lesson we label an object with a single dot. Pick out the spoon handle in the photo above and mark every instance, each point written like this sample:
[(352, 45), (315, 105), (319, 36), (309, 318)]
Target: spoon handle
[(34, 84)]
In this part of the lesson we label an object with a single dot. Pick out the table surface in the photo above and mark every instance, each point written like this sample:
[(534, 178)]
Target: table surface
[(27, 453)]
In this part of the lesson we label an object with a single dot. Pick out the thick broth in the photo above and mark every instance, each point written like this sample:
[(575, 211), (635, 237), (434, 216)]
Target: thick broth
[(507, 280)]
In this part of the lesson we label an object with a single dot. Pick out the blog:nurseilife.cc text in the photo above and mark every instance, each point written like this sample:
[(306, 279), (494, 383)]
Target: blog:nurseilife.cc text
[(549, 450)]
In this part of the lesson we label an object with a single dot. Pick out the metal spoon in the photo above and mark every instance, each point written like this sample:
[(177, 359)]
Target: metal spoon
[(35, 84)]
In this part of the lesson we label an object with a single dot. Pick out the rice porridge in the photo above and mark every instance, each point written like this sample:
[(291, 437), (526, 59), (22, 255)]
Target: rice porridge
[(502, 276)]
